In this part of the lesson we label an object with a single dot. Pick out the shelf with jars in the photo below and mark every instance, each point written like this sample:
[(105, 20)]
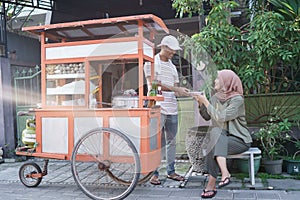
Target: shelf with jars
[(65, 84)]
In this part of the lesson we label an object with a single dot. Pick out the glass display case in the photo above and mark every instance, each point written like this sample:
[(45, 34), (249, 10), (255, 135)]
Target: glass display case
[(97, 63), (65, 84)]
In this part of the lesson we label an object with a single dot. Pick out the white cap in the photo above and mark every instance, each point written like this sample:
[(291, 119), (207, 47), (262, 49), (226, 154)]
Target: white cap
[(171, 42)]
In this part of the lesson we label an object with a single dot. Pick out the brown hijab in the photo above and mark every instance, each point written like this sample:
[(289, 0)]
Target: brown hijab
[(231, 85)]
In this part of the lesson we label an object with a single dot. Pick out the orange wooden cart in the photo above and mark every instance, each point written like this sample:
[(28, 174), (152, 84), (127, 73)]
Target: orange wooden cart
[(112, 145)]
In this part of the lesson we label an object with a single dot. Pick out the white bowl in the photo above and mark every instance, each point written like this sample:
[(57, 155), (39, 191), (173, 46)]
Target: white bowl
[(195, 93)]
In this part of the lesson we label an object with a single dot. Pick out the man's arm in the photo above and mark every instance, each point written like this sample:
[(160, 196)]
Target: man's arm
[(179, 91)]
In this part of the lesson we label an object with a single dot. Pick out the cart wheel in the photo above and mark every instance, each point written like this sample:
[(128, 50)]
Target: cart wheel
[(25, 174), (100, 153)]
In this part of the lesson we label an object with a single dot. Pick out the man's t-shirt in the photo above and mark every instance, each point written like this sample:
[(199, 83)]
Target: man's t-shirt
[(166, 73)]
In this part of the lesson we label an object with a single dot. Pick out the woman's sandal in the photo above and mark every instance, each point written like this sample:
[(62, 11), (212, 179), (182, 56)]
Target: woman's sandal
[(176, 177), (207, 194), (154, 180), (224, 182)]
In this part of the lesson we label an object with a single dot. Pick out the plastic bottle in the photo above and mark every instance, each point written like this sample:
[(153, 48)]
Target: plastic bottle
[(154, 87), (153, 92), (159, 92)]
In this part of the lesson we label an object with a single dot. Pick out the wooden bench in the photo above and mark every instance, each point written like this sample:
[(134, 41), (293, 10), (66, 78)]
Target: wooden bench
[(249, 154)]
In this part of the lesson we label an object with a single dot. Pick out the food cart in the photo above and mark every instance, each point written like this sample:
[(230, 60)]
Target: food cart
[(93, 109)]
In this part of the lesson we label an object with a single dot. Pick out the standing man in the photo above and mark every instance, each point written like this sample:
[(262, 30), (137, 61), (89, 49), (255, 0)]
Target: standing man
[(166, 74)]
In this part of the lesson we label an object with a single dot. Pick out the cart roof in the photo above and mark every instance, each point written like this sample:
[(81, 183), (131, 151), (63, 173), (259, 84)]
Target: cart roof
[(100, 28)]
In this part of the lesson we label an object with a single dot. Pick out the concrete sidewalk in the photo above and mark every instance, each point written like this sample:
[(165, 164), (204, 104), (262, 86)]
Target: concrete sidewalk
[(59, 184)]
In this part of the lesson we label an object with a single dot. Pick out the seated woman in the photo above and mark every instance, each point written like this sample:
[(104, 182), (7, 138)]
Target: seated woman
[(228, 133)]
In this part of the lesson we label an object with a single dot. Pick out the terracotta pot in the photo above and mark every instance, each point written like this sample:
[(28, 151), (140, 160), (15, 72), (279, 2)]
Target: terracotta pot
[(273, 166)]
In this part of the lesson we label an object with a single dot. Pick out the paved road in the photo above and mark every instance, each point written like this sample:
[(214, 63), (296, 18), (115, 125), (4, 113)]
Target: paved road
[(59, 185), (16, 191)]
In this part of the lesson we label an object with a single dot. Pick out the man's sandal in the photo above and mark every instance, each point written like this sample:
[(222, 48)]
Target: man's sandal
[(175, 177), (207, 194), (154, 180)]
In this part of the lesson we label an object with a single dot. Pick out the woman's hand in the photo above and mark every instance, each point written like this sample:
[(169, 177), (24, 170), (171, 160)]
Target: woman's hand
[(201, 99)]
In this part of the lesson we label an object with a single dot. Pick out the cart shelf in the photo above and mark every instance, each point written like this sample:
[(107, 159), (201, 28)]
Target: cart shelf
[(65, 76)]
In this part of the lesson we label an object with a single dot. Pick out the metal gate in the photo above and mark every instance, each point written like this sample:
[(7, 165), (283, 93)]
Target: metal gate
[(27, 90)]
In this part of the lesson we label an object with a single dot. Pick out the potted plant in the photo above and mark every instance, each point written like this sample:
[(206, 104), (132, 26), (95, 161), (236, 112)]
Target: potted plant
[(271, 139), (292, 163)]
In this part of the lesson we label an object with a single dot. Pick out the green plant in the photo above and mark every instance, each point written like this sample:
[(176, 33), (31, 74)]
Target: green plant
[(188, 7), (215, 45), (273, 136), (264, 51), (293, 142), (251, 78), (296, 142), (218, 38), (288, 8)]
